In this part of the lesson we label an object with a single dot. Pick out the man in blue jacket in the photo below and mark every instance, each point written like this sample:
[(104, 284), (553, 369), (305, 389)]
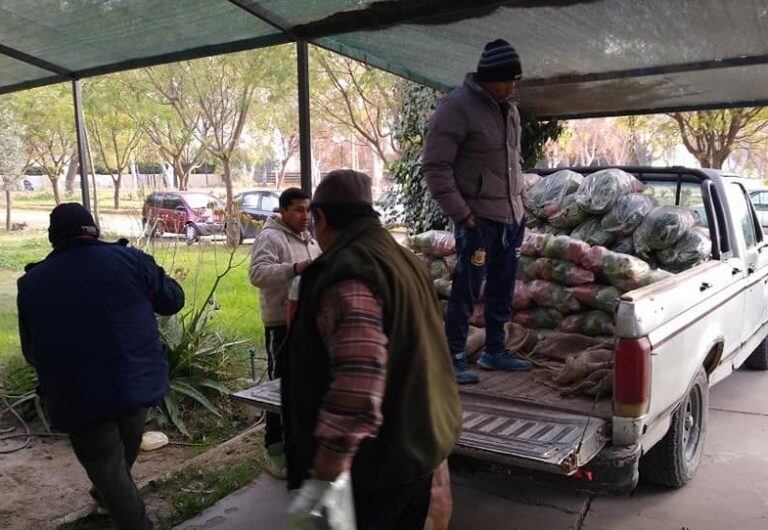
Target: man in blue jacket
[(87, 324)]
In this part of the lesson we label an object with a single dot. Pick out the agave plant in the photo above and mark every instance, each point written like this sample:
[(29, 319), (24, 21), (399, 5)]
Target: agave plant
[(198, 356)]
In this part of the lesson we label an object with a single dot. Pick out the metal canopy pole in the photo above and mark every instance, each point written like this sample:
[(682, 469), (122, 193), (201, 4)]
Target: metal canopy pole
[(79, 125), (305, 138)]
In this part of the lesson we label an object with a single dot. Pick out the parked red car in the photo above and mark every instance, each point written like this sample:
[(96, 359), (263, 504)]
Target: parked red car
[(189, 213)]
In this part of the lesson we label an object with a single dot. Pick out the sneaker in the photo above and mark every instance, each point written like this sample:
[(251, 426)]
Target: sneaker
[(275, 461), (100, 509), (505, 361), (464, 374)]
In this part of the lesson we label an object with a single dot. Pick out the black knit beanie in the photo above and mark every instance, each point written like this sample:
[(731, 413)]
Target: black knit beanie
[(499, 62), (70, 220)]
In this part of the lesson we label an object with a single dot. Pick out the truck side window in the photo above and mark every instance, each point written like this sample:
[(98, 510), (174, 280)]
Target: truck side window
[(742, 213)]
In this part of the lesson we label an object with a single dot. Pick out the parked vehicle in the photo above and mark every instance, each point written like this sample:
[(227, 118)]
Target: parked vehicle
[(676, 338), (760, 201), (190, 214), (258, 206)]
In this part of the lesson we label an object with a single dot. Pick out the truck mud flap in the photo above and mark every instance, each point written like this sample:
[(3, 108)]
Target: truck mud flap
[(528, 436), (502, 431)]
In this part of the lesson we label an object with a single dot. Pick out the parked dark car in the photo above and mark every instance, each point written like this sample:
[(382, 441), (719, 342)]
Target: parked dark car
[(183, 212), (258, 206)]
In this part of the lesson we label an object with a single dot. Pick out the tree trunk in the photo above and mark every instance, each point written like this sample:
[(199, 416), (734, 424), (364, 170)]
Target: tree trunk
[(281, 173), (55, 185), (69, 179), (8, 223), (117, 181), (232, 222)]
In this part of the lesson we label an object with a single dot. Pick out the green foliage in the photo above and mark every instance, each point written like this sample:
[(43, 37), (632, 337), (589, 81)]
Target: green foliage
[(199, 357), (409, 189), (420, 211)]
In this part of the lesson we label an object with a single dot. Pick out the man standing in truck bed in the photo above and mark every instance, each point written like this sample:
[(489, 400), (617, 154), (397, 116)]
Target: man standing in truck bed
[(471, 163)]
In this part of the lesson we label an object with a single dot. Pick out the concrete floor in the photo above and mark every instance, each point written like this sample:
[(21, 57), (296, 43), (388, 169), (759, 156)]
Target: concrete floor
[(729, 491)]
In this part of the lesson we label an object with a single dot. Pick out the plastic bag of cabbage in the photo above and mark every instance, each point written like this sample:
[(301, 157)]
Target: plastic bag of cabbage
[(662, 228), (692, 248), (627, 214), (600, 191), (545, 198)]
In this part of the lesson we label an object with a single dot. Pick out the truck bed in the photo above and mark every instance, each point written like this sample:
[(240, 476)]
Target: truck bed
[(520, 387)]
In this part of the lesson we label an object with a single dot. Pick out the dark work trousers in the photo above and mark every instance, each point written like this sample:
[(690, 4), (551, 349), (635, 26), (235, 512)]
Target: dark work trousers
[(402, 507), (107, 451), (275, 337), (487, 252)]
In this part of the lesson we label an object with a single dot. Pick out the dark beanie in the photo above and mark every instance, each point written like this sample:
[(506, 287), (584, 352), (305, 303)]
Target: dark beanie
[(499, 62), (70, 220)]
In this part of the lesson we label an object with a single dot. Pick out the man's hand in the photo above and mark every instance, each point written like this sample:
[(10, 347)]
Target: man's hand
[(469, 223), (300, 267), (329, 465)]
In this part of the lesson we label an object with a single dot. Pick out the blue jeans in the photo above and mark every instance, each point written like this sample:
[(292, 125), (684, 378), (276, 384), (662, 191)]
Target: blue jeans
[(489, 251)]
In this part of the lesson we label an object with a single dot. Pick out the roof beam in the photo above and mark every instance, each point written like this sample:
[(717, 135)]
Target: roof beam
[(262, 13), (387, 13), (34, 61), (568, 79)]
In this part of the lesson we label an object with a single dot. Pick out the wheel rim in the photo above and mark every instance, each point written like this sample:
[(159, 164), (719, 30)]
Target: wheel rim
[(190, 232), (692, 416)]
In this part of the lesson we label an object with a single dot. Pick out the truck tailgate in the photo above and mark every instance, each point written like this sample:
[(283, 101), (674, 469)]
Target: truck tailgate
[(503, 430)]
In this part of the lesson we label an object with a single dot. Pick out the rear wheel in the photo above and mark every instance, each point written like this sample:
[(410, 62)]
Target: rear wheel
[(758, 360), (191, 233), (674, 460)]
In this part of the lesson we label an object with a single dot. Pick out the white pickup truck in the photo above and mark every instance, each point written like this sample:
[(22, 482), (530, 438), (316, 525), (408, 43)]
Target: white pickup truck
[(676, 338)]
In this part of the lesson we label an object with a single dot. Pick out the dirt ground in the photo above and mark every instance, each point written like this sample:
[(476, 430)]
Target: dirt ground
[(43, 483)]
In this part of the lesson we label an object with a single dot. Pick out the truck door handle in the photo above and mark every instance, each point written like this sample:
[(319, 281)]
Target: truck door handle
[(735, 271), (704, 286)]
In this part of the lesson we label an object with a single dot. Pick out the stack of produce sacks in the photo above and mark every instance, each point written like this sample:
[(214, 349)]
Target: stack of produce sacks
[(437, 250), (608, 208), (568, 285)]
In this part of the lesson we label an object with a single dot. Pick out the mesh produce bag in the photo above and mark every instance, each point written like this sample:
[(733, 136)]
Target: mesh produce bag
[(567, 273), (526, 268), (549, 294), (597, 296), (545, 198), (522, 297), (565, 248), (692, 248), (599, 191), (593, 233), (437, 268), (592, 323), (662, 228), (539, 317), (435, 243), (533, 243), (627, 214)]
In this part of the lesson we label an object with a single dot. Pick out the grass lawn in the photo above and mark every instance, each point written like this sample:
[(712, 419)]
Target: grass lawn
[(196, 267)]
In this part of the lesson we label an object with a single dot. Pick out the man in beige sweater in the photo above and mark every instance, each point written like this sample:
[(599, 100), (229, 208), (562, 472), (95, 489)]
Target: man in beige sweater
[(283, 249)]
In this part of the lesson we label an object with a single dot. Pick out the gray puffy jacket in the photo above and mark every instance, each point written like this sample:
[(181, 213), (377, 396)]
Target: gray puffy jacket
[(471, 158), (275, 250)]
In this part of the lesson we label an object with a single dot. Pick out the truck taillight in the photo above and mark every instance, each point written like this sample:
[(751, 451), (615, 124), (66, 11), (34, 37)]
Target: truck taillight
[(632, 378)]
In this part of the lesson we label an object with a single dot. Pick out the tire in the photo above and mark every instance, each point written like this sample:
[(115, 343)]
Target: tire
[(674, 460), (758, 360), (191, 233)]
